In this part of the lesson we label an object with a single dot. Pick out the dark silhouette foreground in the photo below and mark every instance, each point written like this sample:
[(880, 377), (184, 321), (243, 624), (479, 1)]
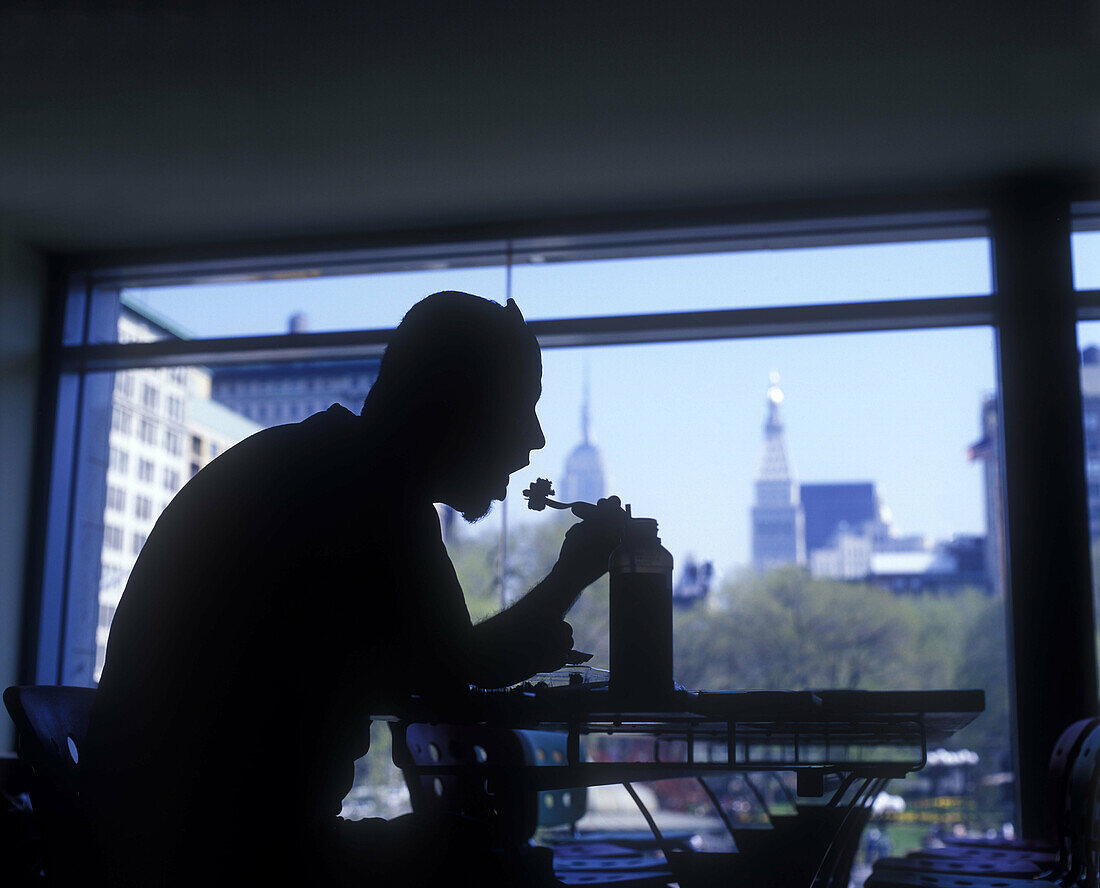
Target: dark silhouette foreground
[(299, 583)]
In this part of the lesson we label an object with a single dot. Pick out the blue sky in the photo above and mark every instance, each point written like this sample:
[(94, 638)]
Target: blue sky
[(680, 425)]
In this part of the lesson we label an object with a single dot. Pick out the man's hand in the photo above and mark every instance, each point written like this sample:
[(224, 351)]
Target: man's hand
[(588, 544), (551, 648)]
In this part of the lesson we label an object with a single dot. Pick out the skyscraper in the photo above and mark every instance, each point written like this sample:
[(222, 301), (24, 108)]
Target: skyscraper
[(987, 450), (583, 477), (163, 429), (851, 505), (778, 522), (284, 392)]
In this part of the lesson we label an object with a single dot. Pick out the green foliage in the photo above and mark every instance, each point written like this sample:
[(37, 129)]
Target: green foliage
[(786, 629), (983, 663)]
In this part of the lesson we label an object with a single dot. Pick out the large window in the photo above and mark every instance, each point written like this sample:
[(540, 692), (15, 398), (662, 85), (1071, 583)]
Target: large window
[(1086, 280), (849, 367)]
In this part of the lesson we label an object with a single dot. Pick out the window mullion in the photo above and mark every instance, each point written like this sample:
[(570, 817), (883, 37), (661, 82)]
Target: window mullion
[(1049, 573)]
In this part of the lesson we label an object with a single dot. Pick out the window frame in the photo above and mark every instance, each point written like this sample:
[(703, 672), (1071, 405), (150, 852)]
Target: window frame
[(79, 310)]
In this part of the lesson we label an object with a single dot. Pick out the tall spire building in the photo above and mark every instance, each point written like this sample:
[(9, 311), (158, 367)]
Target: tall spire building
[(583, 478), (778, 521)]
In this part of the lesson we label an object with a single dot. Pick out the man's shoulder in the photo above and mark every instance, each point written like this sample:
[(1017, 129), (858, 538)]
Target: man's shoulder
[(336, 417), (310, 440)]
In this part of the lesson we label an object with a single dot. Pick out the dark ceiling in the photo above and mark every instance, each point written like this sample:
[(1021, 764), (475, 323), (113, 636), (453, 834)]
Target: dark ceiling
[(141, 125)]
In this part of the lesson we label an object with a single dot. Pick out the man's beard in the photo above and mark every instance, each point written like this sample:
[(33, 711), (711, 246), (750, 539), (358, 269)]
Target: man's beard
[(477, 511)]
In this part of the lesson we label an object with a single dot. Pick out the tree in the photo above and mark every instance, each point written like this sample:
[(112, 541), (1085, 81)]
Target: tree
[(788, 630), (532, 551), (784, 629)]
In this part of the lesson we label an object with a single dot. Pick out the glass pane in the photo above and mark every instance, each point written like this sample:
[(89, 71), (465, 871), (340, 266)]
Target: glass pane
[(1085, 246), (743, 279), (877, 565), (755, 278), (310, 304), (793, 479), (1088, 339), (889, 529), (148, 432)]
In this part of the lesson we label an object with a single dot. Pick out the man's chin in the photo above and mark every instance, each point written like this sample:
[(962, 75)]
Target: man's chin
[(477, 511)]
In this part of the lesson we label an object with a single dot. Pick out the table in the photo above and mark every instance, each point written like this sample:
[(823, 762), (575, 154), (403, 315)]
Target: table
[(843, 745)]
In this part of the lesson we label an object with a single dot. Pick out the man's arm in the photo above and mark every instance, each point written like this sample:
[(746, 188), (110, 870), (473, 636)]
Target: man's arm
[(531, 635)]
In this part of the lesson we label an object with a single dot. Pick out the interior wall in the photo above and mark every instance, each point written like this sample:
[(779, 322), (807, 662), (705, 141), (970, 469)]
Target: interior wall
[(22, 302)]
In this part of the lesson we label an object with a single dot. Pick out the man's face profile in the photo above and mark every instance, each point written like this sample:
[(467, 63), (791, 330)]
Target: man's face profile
[(458, 387), (504, 429)]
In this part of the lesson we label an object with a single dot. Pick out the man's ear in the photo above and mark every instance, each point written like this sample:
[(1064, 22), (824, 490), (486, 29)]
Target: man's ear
[(512, 307)]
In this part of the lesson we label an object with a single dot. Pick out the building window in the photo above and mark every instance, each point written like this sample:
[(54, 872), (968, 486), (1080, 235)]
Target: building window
[(138, 542), (116, 498), (106, 615), (175, 408), (196, 444), (172, 442), (118, 460), (145, 470), (150, 397), (121, 420), (112, 537), (124, 385), (148, 431), (143, 508), (171, 479), (195, 469)]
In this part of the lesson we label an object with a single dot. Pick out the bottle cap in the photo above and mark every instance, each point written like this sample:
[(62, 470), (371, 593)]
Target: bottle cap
[(642, 530)]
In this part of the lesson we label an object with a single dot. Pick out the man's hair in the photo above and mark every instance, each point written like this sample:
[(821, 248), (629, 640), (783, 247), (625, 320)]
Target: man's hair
[(451, 347)]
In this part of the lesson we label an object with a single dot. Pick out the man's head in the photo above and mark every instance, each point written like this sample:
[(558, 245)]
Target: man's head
[(457, 387)]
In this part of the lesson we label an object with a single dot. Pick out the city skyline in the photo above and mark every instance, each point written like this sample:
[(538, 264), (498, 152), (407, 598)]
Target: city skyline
[(678, 423)]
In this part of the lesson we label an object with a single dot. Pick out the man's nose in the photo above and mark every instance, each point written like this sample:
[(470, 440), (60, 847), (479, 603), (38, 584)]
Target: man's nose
[(538, 439)]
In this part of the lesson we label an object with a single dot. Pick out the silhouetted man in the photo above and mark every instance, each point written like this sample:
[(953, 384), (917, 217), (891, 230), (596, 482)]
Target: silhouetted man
[(299, 583)]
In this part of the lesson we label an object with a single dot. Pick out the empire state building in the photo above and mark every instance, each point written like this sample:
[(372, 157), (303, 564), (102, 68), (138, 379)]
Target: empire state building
[(583, 478)]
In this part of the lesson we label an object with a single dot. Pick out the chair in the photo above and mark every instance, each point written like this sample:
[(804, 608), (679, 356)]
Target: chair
[(470, 770), (51, 725), (1055, 797), (814, 845), (1075, 861), (1047, 854), (560, 811)]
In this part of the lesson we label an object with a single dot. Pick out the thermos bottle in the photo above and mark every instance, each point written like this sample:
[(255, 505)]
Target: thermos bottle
[(641, 615)]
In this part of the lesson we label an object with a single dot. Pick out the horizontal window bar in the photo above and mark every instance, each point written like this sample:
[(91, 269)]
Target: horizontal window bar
[(960, 311), (1088, 305), (797, 320), (785, 234), (1086, 215)]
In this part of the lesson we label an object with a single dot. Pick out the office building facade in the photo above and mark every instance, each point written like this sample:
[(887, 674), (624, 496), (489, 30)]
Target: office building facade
[(778, 521), (163, 429)]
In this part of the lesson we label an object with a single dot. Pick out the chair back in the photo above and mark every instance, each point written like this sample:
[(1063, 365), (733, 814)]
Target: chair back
[(51, 725), (477, 771), (1059, 772), (1081, 815), (556, 807)]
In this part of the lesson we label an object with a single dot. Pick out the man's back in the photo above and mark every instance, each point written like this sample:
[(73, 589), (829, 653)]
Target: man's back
[(253, 638)]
